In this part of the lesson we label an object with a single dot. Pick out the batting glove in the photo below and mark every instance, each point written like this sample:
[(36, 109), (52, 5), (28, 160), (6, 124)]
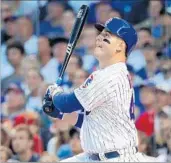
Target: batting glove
[(52, 90)]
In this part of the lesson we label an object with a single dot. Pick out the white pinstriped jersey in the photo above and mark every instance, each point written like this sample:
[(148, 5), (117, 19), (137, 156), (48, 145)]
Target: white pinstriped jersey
[(108, 94)]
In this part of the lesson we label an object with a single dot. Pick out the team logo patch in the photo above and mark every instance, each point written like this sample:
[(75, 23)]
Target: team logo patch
[(88, 81)]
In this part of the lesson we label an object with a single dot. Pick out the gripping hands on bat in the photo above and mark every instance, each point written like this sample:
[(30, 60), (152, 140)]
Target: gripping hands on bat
[(55, 89), (48, 106)]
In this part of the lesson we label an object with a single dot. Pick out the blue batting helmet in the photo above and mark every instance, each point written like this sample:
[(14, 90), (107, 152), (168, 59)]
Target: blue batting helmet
[(122, 29)]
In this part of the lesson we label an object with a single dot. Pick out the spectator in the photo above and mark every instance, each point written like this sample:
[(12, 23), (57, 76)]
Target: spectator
[(32, 120), (15, 54), (26, 35), (145, 122), (144, 37), (29, 62), (168, 141), (147, 96), (75, 64), (130, 8), (72, 148), (158, 21), (144, 144), (15, 101), (163, 97), (155, 10), (35, 128), (161, 136), (48, 64), (5, 154), (22, 143), (5, 64), (21, 7), (61, 136), (102, 10), (166, 69), (48, 158), (5, 136), (79, 78), (75, 141), (52, 25), (68, 20), (77, 5), (6, 10), (89, 61), (152, 70), (59, 46), (115, 13), (9, 30), (136, 57), (162, 110), (64, 151), (44, 11), (33, 80), (165, 131)]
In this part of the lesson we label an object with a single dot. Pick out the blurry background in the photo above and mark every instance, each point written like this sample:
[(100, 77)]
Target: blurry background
[(34, 36)]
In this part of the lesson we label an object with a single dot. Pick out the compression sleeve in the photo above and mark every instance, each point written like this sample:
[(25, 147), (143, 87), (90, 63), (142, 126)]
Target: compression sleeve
[(67, 103), (80, 120)]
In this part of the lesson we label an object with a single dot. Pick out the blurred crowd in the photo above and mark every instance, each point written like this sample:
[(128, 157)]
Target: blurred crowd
[(34, 37)]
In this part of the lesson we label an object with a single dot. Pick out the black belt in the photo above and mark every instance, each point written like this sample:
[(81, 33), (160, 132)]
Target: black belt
[(108, 155)]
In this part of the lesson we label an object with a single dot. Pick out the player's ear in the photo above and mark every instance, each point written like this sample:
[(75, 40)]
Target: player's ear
[(121, 46)]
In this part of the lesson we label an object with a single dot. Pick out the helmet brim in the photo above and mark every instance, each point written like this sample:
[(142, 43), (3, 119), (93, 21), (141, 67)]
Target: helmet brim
[(99, 27)]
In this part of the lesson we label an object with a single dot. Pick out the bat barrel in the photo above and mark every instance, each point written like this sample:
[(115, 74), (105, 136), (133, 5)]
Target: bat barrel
[(76, 31)]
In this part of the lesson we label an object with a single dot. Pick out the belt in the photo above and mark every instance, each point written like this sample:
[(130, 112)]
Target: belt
[(113, 154)]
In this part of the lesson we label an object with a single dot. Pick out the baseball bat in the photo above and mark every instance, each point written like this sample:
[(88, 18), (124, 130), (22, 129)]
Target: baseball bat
[(76, 31)]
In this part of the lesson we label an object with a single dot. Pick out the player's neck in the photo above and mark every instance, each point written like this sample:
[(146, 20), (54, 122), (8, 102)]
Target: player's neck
[(111, 61)]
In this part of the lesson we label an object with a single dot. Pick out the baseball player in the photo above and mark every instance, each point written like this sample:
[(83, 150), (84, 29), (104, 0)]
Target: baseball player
[(107, 125)]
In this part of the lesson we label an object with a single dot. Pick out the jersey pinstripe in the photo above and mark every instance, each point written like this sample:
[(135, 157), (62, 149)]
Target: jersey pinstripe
[(107, 94)]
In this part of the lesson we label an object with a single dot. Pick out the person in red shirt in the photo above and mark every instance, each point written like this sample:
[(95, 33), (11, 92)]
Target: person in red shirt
[(32, 120), (145, 122), (156, 100)]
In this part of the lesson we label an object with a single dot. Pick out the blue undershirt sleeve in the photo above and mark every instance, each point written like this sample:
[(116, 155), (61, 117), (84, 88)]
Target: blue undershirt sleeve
[(67, 103), (80, 120)]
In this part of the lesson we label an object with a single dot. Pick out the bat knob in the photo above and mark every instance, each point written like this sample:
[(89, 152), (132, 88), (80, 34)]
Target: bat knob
[(48, 109)]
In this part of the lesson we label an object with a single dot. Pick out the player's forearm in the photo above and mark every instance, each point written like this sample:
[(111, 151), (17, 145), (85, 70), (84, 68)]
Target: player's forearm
[(66, 103)]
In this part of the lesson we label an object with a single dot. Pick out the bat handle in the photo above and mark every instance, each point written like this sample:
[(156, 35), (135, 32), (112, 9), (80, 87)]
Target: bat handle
[(48, 109), (59, 81)]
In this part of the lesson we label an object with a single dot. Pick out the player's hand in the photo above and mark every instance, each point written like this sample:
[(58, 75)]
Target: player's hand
[(53, 90), (50, 109)]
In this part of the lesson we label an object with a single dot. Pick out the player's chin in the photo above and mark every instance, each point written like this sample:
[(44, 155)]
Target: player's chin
[(98, 51)]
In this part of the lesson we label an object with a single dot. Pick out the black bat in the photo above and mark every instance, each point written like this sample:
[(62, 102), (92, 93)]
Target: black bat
[(76, 31)]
